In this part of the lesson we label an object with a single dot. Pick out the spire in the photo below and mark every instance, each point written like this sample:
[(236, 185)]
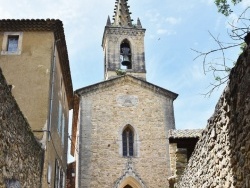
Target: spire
[(108, 21), (122, 14), (139, 23)]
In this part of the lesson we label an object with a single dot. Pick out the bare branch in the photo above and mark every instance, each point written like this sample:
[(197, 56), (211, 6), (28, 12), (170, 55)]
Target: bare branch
[(219, 67)]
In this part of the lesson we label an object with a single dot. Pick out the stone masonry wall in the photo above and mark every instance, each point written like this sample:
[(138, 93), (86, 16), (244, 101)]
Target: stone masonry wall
[(222, 155), (21, 156), (104, 114)]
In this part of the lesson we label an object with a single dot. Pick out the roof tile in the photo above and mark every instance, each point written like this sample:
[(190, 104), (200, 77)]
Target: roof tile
[(187, 133)]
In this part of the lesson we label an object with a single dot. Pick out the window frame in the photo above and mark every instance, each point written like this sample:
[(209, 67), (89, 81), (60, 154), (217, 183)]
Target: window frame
[(59, 118), (6, 41), (128, 142), (136, 140)]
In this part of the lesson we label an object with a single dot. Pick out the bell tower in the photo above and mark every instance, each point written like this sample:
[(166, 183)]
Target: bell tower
[(123, 44)]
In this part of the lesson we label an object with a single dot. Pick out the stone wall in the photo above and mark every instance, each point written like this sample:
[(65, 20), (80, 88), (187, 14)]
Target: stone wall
[(222, 155), (106, 109), (21, 156), (71, 171)]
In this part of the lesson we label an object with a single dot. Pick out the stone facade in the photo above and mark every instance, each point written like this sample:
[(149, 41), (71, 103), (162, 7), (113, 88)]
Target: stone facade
[(21, 156), (119, 34), (105, 109), (113, 37), (222, 155)]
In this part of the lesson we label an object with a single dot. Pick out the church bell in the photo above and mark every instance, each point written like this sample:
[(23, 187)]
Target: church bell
[(125, 56)]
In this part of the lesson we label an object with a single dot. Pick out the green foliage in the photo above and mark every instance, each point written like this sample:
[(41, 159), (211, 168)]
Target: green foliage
[(243, 46), (227, 69), (224, 6), (217, 78), (120, 72)]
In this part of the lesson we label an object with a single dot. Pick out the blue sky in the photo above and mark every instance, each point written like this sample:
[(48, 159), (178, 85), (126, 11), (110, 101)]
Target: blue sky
[(173, 28)]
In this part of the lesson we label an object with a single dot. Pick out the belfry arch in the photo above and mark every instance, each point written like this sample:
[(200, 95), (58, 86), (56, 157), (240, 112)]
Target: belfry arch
[(126, 54)]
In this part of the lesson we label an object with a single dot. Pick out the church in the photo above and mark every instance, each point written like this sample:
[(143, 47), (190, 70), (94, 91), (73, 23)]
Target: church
[(123, 131)]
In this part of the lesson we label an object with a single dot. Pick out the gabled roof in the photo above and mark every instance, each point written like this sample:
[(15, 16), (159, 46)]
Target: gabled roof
[(126, 78), (55, 26), (122, 14), (109, 83), (187, 133)]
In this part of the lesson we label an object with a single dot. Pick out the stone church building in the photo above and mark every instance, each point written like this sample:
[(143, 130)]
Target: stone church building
[(121, 125)]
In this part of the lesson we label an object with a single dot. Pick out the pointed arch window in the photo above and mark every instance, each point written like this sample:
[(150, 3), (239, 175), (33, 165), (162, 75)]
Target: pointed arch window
[(125, 52), (128, 186), (128, 142)]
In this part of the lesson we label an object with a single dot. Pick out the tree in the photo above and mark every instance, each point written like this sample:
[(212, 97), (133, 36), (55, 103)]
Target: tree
[(221, 66), (224, 6)]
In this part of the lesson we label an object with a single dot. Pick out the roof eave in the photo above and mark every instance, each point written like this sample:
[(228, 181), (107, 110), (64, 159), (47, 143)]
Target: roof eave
[(151, 86)]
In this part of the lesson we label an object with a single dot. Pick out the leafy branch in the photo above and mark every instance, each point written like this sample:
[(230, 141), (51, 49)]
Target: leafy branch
[(120, 72), (224, 7)]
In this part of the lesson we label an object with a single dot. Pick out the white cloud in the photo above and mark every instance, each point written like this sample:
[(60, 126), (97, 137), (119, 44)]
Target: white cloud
[(172, 20), (160, 22), (153, 15), (165, 32), (208, 2)]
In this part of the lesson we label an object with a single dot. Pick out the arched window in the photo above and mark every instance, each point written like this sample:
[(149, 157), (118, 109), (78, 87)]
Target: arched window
[(128, 142), (125, 52)]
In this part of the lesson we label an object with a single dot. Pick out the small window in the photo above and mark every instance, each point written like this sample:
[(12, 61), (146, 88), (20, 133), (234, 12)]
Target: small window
[(59, 178), (63, 126), (59, 122), (12, 43), (128, 142)]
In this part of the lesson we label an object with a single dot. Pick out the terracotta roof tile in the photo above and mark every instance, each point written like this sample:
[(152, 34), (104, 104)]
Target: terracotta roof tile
[(187, 133)]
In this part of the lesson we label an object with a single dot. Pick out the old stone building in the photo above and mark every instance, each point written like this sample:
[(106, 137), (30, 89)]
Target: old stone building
[(121, 125), (35, 63)]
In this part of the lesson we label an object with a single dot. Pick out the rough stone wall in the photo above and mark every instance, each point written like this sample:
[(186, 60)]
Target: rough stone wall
[(71, 171), (181, 161), (222, 155), (178, 162), (103, 115), (21, 156), (173, 159)]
